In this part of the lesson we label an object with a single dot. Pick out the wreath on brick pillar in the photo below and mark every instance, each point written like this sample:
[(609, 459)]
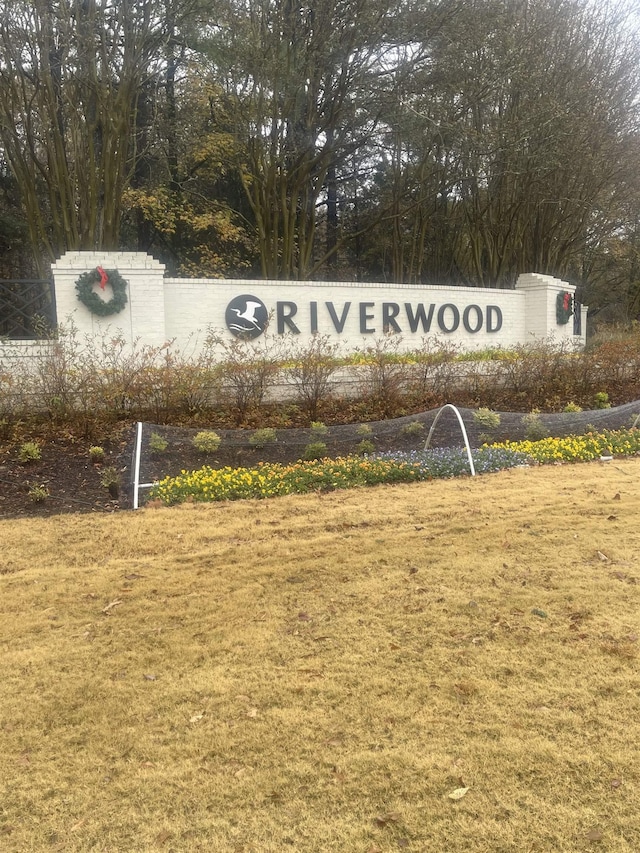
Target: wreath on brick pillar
[(564, 307), (93, 301)]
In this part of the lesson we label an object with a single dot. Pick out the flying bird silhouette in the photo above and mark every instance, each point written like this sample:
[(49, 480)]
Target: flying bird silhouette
[(249, 313)]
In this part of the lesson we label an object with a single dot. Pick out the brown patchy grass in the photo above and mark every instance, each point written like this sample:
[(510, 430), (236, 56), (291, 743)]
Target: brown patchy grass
[(320, 673)]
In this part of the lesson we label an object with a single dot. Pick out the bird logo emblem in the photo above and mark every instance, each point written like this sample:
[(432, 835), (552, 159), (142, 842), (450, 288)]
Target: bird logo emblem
[(246, 316)]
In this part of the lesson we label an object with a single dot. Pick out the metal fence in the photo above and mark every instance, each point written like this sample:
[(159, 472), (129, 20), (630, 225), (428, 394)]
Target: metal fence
[(27, 309)]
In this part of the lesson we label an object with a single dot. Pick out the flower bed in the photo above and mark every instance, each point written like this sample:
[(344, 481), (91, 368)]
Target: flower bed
[(273, 480), (578, 448)]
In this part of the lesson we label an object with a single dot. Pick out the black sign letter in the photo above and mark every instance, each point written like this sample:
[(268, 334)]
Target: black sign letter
[(364, 329), (338, 323), (285, 319), (390, 310), (491, 311), (419, 317), (465, 318), (456, 317)]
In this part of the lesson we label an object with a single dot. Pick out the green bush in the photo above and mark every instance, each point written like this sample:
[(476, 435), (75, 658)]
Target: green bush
[(38, 494), (262, 437), (412, 428), (601, 400), (572, 407), (364, 430), (30, 451), (314, 450), (535, 430), (486, 418), (206, 441), (365, 448), (318, 428), (158, 444), (110, 479), (96, 454)]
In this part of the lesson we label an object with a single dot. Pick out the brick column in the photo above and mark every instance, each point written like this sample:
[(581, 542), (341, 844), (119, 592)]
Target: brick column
[(541, 292), (144, 314)]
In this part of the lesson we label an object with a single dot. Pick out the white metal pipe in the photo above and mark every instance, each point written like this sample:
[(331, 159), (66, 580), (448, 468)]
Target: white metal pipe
[(464, 434), (136, 466)]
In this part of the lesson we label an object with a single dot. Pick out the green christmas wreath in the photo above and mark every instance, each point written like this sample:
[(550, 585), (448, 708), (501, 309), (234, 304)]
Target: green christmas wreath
[(564, 307), (88, 297)]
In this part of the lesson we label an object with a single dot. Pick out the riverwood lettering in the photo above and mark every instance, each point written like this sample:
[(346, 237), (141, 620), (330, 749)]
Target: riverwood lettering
[(392, 317)]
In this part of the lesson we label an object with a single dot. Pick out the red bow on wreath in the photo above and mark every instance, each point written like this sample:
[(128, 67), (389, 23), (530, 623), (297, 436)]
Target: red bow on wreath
[(566, 302), (104, 278)]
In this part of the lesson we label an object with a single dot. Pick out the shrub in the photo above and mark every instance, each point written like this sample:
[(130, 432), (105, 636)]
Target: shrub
[(158, 444), (364, 429), (96, 454), (29, 452), (110, 479), (318, 428), (434, 370), (262, 437), (486, 418), (601, 400), (384, 373), (38, 494), (365, 448), (535, 430), (314, 450), (248, 371), (311, 372), (206, 441), (412, 428), (572, 407)]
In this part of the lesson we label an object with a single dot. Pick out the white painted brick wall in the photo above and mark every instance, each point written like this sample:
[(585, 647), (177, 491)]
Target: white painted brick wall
[(182, 311), (192, 306)]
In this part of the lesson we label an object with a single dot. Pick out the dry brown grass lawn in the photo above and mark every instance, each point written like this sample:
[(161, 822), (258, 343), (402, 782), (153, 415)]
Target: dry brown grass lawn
[(321, 673)]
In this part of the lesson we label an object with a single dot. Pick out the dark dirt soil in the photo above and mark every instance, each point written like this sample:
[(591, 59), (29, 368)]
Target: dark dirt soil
[(66, 472)]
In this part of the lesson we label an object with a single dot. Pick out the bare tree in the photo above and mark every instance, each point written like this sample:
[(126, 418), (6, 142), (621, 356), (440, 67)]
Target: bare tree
[(509, 150), (301, 79), (70, 75)]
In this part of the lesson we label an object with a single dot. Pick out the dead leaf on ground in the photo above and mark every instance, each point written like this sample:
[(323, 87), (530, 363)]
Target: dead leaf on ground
[(149, 677), (458, 794), (594, 834), (110, 606), (602, 557), (252, 713), (196, 718), (385, 819), (616, 783)]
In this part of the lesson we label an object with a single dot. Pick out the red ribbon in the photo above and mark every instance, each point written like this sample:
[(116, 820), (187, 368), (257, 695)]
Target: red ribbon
[(104, 278)]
